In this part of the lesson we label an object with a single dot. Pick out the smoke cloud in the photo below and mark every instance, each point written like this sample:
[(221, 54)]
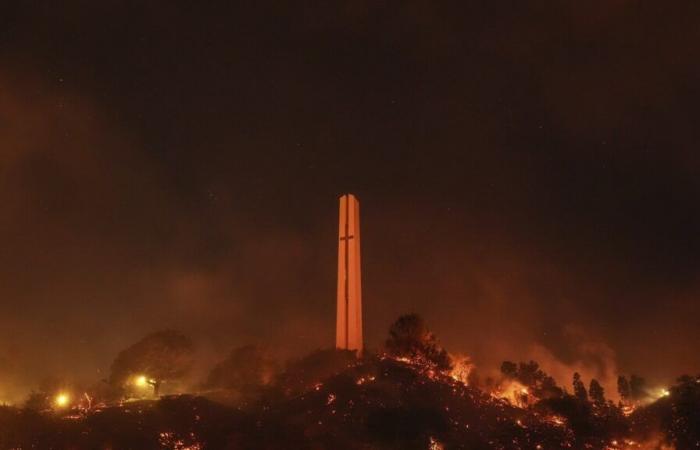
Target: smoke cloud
[(526, 175)]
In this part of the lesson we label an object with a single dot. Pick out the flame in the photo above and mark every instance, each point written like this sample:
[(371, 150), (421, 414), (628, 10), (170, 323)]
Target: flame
[(435, 444), (514, 392), (462, 367)]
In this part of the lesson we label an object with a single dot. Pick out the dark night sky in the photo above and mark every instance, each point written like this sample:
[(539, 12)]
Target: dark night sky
[(528, 173)]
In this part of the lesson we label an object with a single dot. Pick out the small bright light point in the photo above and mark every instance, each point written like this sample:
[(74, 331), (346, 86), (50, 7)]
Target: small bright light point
[(62, 400), (664, 393)]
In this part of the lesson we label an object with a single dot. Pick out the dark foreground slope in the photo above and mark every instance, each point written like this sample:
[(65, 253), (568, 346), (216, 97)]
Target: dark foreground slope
[(380, 403)]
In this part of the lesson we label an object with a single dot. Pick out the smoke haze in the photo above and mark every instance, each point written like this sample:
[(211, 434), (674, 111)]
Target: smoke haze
[(528, 177)]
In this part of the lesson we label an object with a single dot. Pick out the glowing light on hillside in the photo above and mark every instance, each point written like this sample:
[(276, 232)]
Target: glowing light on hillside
[(62, 400), (141, 381)]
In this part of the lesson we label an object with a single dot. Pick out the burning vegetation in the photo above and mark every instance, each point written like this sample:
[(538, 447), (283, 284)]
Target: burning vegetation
[(412, 394)]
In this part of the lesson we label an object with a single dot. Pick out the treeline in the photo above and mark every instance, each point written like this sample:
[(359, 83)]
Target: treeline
[(405, 395)]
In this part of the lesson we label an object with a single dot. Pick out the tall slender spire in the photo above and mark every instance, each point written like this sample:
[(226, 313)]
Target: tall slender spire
[(348, 333)]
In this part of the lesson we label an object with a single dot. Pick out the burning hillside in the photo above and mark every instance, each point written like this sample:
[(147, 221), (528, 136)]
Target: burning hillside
[(411, 395)]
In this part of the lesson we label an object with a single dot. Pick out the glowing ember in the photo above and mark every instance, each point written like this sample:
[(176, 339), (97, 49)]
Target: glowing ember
[(331, 399), (363, 380), (628, 409), (435, 444), (169, 440), (557, 420)]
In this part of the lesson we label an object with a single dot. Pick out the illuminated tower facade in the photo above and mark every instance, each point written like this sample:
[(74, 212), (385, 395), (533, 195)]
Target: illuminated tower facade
[(348, 333)]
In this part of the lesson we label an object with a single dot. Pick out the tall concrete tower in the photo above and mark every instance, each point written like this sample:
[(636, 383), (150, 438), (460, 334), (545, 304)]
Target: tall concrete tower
[(348, 332)]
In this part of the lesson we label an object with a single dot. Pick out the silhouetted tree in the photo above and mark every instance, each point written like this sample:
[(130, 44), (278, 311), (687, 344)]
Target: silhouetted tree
[(548, 388), (529, 374), (41, 398), (579, 388), (509, 369), (160, 356), (409, 337), (623, 387), (247, 367), (597, 393), (37, 401), (578, 415), (637, 388)]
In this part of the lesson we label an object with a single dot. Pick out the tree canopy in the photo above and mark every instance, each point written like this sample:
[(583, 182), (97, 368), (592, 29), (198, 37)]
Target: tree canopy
[(410, 337), (579, 388), (161, 356), (531, 375), (596, 391)]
